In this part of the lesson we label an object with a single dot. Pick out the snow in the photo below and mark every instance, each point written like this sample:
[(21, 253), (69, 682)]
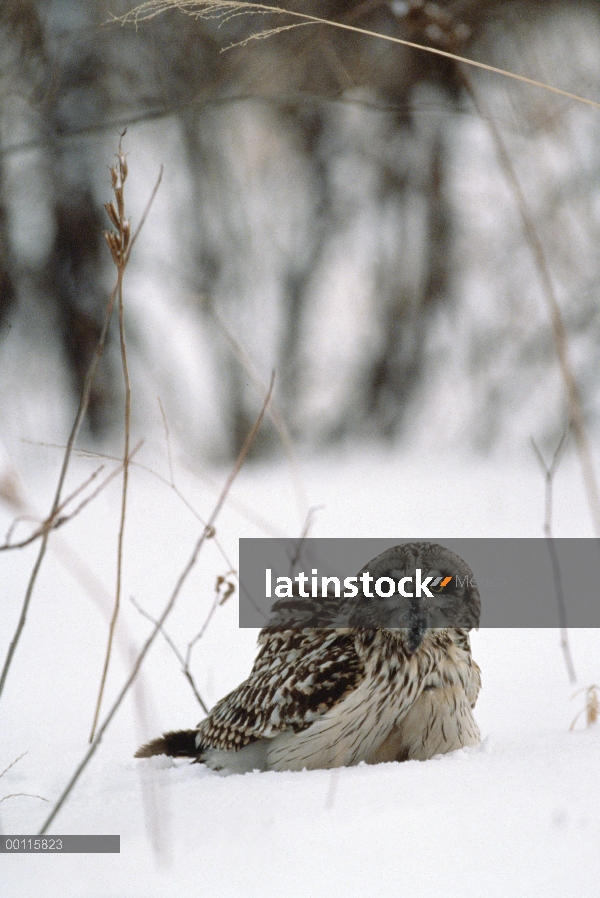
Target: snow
[(517, 816)]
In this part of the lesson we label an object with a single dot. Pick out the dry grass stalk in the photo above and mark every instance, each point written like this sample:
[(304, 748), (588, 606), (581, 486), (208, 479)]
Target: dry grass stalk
[(59, 519), (274, 413), (184, 665), (118, 242), (83, 404), (206, 534), (12, 764), (171, 483), (25, 794), (18, 794), (81, 411), (591, 708), (226, 10), (224, 588), (549, 472)]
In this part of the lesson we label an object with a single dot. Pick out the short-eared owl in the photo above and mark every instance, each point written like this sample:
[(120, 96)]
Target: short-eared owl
[(392, 691)]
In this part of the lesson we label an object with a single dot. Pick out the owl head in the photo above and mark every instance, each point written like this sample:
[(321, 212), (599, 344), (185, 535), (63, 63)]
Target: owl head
[(434, 589)]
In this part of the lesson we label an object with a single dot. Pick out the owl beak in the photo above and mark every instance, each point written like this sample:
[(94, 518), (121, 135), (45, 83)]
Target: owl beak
[(415, 638)]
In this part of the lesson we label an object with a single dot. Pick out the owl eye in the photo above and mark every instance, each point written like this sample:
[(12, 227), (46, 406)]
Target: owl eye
[(443, 587)]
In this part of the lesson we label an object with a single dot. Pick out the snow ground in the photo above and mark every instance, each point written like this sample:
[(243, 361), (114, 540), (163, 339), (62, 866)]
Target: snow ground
[(518, 816)]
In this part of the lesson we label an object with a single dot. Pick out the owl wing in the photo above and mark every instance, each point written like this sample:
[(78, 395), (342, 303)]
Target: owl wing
[(304, 612), (297, 676)]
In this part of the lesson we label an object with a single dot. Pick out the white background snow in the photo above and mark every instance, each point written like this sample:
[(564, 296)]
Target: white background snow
[(517, 816)]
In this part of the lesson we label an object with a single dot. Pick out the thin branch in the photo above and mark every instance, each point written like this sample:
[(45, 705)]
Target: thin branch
[(136, 233), (184, 664), (305, 531), (241, 507), (26, 794), (161, 620), (104, 483), (51, 523), (549, 472), (168, 439), (171, 483), (60, 520), (218, 600), (274, 412), (12, 764), (17, 794), (119, 242), (83, 404)]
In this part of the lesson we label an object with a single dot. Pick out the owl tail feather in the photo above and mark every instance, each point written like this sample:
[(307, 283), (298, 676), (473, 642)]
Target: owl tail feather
[(179, 744)]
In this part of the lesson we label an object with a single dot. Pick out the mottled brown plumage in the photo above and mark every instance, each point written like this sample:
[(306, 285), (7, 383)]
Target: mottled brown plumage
[(336, 697)]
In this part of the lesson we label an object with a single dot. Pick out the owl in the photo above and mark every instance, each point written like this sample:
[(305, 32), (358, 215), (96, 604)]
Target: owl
[(397, 682)]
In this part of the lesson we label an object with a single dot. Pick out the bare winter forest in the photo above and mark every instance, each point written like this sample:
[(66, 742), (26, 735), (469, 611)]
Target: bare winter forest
[(334, 206)]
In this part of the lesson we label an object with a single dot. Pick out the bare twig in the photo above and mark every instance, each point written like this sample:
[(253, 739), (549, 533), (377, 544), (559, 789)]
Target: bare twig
[(305, 531), (59, 519), (224, 588), (26, 794), (17, 794), (119, 244), (12, 764), (274, 412), (51, 523), (591, 709), (145, 213), (184, 665), (241, 507), (163, 617), (83, 404), (549, 472), (168, 439), (171, 483)]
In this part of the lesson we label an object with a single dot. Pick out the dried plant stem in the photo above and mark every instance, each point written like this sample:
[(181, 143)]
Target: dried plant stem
[(225, 10), (58, 521), (82, 408), (206, 534), (171, 483), (12, 764), (25, 794), (83, 404), (591, 709), (549, 472), (119, 245), (222, 584), (274, 412), (183, 661), (52, 523), (558, 326)]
